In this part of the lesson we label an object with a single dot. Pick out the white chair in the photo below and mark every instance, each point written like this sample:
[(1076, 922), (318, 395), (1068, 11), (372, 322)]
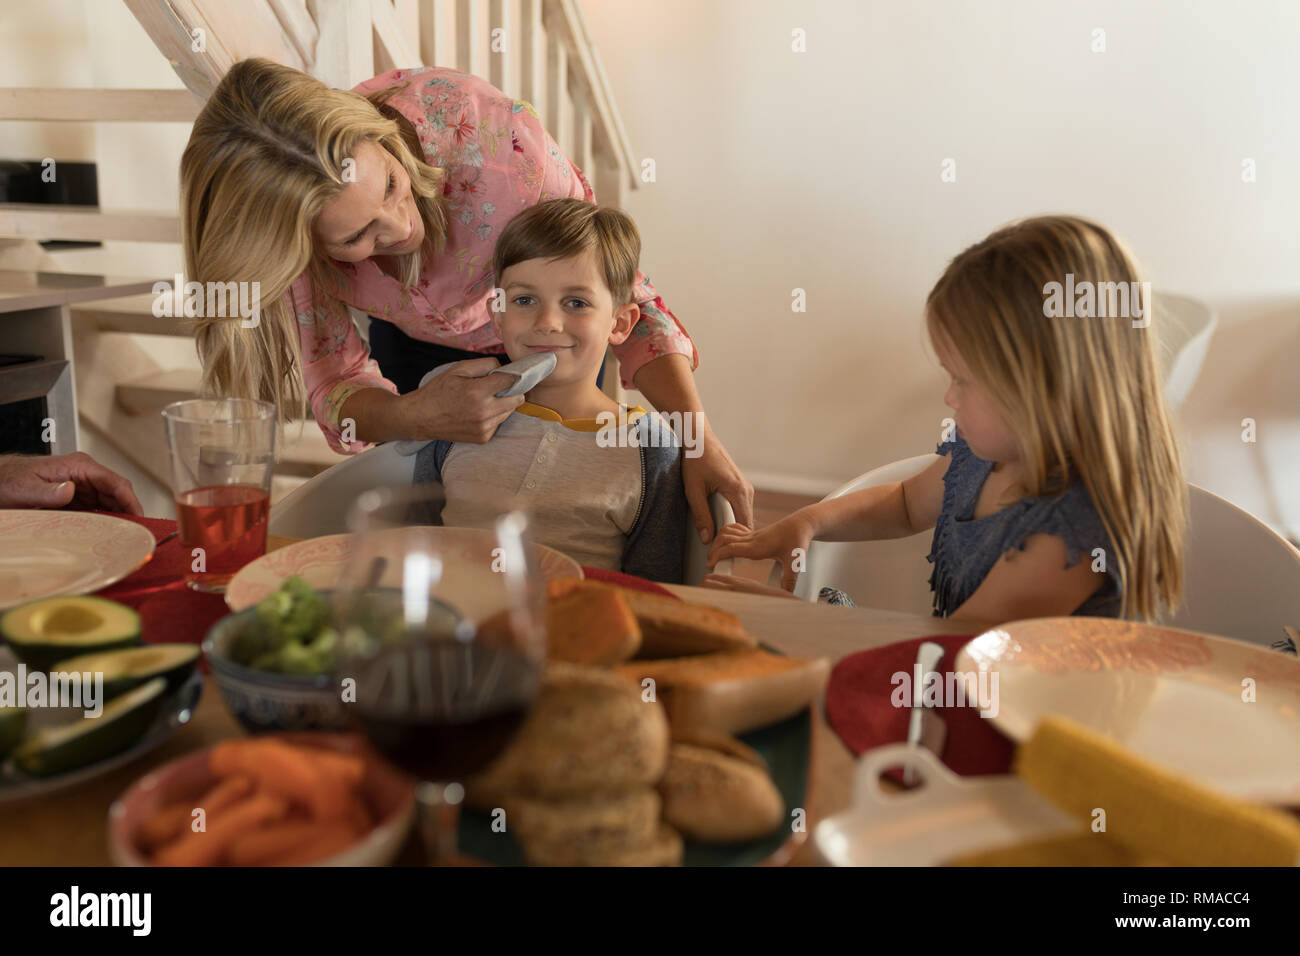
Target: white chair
[(891, 574), (1240, 578), (320, 505), (1185, 327)]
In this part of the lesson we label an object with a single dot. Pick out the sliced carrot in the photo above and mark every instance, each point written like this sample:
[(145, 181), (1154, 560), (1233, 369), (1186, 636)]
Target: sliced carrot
[(166, 824), (349, 768), (359, 816), (207, 847), (338, 839), (227, 792), (264, 844), (286, 771)]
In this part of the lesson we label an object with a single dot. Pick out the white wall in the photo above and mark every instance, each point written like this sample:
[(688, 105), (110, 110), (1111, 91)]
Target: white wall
[(821, 170)]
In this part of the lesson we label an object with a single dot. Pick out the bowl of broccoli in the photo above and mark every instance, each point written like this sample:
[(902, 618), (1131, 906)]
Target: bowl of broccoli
[(274, 662)]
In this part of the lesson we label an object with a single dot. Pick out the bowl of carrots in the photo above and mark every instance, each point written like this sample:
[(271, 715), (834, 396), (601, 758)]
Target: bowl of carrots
[(305, 799)]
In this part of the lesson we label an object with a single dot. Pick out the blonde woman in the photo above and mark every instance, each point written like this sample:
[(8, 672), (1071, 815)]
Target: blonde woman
[(389, 198), (1060, 491)]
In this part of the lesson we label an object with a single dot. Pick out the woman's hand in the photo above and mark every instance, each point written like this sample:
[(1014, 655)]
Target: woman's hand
[(714, 471), (460, 405), (778, 541), (730, 582)]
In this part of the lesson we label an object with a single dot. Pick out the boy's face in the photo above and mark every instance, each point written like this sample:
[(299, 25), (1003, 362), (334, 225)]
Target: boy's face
[(564, 306)]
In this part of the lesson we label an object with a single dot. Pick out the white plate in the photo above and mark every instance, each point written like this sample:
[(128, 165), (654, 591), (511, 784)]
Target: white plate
[(318, 561), (1174, 697), (48, 553)]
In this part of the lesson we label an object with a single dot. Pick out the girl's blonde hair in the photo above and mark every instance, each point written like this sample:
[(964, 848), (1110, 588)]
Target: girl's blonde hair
[(1083, 395), (265, 157)]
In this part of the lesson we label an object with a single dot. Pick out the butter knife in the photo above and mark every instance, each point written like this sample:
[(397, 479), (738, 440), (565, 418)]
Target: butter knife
[(925, 727)]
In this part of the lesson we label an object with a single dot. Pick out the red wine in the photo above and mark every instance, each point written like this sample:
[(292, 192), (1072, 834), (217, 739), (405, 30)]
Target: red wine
[(228, 522), (444, 709)]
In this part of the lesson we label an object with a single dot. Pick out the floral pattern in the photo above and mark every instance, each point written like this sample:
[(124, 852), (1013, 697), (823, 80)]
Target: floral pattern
[(464, 125)]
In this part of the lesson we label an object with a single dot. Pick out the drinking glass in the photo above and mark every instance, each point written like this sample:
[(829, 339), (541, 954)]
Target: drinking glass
[(442, 642), (222, 455)]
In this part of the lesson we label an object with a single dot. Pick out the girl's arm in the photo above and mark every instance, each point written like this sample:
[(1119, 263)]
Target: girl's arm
[(1032, 583), (895, 510)]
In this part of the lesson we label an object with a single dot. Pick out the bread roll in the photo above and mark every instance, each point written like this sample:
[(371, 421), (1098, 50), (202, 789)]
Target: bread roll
[(589, 731), (592, 627), (663, 849), (593, 828), (714, 798)]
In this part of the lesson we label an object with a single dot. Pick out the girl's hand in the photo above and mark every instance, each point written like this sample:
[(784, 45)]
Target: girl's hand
[(778, 541), (730, 582)]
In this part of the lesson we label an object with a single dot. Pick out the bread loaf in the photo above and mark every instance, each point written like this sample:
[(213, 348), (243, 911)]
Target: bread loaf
[(731, 692)]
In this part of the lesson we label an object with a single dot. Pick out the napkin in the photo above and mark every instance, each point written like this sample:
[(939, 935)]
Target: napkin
[(526, 372), (859, 710)]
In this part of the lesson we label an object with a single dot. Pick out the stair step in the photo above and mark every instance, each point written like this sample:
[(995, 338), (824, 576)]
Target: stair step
[(86, 223), (305, 451), (132, 313)]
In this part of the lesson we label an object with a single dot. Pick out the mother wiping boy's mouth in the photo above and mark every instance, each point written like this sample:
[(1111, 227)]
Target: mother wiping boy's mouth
[(388, 199)]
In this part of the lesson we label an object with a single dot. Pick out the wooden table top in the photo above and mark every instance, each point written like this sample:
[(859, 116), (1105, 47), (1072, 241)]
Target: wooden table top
[(70, 828)]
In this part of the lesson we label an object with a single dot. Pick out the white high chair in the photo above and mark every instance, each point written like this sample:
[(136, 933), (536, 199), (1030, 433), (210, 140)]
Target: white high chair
[(320, 505)]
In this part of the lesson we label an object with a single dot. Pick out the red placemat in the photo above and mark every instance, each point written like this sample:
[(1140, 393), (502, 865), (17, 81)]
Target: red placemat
[(169, 611), (858, 708), (626, 580)]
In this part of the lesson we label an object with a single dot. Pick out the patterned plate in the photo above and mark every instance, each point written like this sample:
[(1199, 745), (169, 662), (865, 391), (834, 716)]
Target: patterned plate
[(318, 561), (48, 553), (1222, 712)]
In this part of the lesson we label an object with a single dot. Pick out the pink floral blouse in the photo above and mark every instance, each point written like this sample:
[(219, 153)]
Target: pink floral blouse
[(498, 160)]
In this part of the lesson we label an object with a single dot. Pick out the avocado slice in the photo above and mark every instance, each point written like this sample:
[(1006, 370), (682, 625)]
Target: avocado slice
[(54, 629), (12, 721), (126, 669), (69, 746)]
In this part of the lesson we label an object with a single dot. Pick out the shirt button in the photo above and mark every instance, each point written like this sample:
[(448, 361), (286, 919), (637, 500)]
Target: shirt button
[(550, 437), (541, 458), (530, 483)]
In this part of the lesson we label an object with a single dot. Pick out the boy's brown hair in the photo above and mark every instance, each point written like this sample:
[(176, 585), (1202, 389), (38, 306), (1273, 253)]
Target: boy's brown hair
[(560, 228)]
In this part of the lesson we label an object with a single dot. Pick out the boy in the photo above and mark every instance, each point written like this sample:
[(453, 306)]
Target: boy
[(602, 482)]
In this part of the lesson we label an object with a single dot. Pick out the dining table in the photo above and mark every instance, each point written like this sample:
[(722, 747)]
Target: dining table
[(69, 828)]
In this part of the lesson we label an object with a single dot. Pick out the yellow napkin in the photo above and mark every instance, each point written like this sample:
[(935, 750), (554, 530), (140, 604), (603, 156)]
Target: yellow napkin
[(1150, 813)]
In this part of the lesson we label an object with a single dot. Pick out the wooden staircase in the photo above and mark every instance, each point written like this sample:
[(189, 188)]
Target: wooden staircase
[(535, 50)]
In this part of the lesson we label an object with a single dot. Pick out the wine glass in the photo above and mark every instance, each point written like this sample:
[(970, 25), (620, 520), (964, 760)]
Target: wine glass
[(442, 634)]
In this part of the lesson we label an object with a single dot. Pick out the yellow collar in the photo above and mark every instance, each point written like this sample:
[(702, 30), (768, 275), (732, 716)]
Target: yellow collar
[(577, 424)]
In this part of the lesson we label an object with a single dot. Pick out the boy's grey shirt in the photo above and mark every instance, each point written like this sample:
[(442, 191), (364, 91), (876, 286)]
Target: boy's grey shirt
[(656, 540)]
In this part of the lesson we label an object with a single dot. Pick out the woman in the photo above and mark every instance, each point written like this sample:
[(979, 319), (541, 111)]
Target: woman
[(388, 199)]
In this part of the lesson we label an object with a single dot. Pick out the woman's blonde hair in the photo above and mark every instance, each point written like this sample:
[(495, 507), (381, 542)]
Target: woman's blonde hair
[(1083, 394), (265, 157)]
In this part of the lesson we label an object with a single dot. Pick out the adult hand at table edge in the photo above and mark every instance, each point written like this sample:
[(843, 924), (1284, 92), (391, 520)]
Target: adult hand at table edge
[(57, 481)]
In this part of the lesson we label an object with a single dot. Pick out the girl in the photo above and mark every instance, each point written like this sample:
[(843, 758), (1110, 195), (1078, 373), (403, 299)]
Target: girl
[(1060, 491)]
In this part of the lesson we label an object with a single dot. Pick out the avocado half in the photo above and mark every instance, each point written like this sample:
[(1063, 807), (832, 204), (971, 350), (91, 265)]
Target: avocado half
[(123, 721), (128, 668), (12, 722), (44, 632)]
